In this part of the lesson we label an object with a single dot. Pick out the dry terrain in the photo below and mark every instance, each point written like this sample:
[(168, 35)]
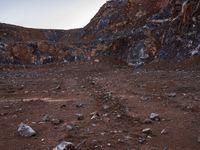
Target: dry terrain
[(103, 106)]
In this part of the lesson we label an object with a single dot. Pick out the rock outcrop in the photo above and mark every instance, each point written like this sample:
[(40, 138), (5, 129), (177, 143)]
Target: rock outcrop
[(134, 31)]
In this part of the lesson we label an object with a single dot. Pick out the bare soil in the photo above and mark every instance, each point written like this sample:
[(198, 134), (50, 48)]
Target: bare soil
[(123, 98)]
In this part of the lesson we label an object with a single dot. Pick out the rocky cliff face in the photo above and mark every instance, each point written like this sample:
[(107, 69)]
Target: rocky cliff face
[(135, 31)]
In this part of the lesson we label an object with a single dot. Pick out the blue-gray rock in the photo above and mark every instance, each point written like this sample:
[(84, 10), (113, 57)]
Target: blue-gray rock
[(65, 146), (154, 116), (25, 130)]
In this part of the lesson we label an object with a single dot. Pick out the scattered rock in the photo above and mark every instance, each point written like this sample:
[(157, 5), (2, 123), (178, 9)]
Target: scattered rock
[(79, 105), (154, 116), (26, 92), (42, 140), (80, 116), (82, 86), (127, 137), (164, 131), (118, 116), (58, 87), (144, 98), (172, 95), (25, 130), (69, 127), (46, 118), (55, 121), (147, 131), (96, 60), (6, 107), (94, 115), (94, 125), (141, 140), (102, 133), (19, 110), (105, 107), (65, 146)]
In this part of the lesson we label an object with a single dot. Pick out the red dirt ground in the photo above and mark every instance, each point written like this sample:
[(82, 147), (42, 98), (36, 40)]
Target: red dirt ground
[(29, 93)]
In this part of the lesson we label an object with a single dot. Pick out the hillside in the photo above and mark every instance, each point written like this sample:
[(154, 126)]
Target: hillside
[(131, 30)]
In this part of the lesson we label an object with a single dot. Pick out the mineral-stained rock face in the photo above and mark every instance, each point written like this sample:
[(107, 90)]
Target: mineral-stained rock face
[(135, 31)]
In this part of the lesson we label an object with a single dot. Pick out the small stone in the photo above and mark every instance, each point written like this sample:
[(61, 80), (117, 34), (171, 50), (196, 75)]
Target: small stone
[(65, 146), (6, 107), (94, 125), (96, 60), (26, 92), (19, 110), (56, 121), (79, 105), (147, 121), (26, 130), (94, 115), (118, 116), (57, 87), (164, 131), (141, 140), (143, 98), (147, 131), (154, 116), (120, 141), (172, 95), (42, 140), (102, 133), (149, 137), (109, 144), (46, 118), (105, 107), (127, 137), (80, 116), (69, 127), (82, 86)]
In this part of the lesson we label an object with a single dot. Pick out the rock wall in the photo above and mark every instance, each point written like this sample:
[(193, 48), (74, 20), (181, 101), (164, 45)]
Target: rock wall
[(135, 31)]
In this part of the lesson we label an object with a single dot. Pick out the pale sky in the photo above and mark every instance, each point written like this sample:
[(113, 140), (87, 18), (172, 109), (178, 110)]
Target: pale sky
[(49, 14)]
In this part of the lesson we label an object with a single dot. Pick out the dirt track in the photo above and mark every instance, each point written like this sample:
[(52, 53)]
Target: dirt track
[(122, 97)]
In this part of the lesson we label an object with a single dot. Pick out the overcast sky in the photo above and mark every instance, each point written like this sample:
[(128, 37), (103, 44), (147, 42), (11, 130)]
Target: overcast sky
[(51, 14)]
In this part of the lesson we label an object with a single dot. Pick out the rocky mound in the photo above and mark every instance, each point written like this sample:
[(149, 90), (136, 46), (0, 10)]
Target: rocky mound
[(20, 45), (135, 31)]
